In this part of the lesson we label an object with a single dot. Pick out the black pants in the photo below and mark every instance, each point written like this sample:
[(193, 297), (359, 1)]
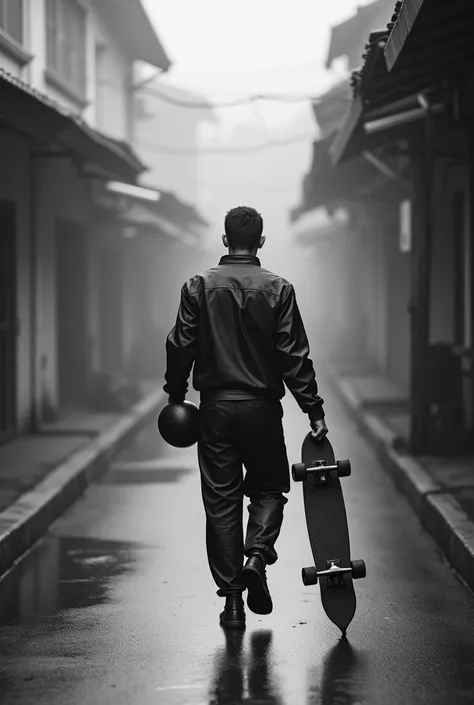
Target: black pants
[(233, 434)]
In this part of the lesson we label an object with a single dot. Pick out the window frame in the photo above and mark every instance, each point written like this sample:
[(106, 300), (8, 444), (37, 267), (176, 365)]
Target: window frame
[(66, 47), (102, 52), (11, 45), (5, 29)]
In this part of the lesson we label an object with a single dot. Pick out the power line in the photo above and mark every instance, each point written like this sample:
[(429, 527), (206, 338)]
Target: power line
[(276, 98), (208, 105), (223, 151)]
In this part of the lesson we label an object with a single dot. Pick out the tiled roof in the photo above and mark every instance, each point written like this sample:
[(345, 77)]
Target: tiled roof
[(436, 38), (440, 40), (26, 88)]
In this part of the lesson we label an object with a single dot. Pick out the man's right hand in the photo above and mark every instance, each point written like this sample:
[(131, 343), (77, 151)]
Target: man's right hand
[(319, 429)]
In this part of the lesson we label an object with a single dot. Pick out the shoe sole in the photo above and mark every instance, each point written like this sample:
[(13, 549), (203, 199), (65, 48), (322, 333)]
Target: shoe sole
[(258, 598)]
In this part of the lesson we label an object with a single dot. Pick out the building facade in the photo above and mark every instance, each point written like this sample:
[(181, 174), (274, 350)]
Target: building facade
[(412, 213), (70, 267)]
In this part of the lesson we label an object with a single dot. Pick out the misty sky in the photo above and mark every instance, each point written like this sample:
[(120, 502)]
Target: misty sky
[(226, 49)]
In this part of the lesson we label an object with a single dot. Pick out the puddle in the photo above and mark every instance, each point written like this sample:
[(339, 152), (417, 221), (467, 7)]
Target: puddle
[(63, 574)]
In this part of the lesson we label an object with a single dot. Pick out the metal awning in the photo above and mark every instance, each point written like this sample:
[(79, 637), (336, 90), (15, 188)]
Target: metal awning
[(326, 185), (130, 208), (130, 22), (34, 115), (331, 107), (151, 223)]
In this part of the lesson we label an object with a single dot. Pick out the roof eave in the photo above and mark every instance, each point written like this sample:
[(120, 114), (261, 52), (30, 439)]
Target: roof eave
[(402, 27), (52, 125), (345, 132), (134, 29)]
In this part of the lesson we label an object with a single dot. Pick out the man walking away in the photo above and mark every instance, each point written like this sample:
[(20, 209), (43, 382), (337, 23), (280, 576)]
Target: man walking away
[(239, 324)]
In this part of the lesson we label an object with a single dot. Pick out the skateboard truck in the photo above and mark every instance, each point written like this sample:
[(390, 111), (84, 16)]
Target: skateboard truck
[(334, 573), (320, 471)]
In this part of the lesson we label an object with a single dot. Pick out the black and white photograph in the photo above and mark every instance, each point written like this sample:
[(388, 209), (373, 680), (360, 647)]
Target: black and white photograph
[(236, 352)]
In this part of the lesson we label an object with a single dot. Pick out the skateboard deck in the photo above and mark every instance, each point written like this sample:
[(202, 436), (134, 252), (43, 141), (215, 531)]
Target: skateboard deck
[(328, 532)]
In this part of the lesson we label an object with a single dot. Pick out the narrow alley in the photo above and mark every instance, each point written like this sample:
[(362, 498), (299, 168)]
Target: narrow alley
[(116, 604)]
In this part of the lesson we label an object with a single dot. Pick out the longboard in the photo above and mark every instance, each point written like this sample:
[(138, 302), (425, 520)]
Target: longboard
[(328, 532)]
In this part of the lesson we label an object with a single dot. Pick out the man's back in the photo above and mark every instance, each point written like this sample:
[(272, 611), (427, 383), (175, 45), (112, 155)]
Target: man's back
[(240, 325), (238, 304)]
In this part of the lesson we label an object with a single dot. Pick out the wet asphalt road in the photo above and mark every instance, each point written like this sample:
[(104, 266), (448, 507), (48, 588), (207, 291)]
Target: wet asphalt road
[(116, 604)]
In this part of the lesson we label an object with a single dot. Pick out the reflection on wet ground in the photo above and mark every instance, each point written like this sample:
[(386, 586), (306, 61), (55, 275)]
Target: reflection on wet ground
[(62, 574), (251, 675), (244, 678), (343, 680)]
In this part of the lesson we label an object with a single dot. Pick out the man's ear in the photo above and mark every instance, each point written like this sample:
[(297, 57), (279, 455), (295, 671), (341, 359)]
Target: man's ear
[(225, 241), (262, 241)]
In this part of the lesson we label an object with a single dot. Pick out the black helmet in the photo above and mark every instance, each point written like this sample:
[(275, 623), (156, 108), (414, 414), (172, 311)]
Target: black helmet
[(178, 424)]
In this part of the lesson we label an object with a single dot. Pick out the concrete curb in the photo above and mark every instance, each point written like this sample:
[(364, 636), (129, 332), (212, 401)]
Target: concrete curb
[(27, 519), (439, 511)]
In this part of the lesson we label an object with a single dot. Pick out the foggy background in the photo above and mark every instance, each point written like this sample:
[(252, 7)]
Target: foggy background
[(223, 53)]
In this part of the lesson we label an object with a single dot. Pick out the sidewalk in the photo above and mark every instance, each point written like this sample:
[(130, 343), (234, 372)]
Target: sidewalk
[(441, 490), (42, 474)]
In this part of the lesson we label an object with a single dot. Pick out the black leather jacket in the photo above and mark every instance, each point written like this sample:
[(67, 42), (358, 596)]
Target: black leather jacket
[(241, 327)]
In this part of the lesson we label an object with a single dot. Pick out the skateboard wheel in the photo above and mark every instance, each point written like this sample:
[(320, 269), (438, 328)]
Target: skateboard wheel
[(358, 569), (298, 472), (343, 468), (309, 576)]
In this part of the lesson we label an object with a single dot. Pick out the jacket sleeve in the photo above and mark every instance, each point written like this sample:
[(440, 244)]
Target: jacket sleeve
[(294, 362), (181, 347)]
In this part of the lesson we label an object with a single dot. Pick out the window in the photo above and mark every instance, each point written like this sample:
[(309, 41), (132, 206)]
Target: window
[(65, 42), (11, 18), (101, 74)]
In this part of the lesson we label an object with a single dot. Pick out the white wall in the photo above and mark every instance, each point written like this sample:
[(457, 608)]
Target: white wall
[(115, 120)]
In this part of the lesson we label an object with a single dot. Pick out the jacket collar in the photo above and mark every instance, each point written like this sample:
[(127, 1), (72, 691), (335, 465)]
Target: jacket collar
[(240, 259)]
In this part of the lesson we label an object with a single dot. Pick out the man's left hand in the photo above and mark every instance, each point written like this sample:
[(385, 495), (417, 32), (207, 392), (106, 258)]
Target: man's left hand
[(319, 429)]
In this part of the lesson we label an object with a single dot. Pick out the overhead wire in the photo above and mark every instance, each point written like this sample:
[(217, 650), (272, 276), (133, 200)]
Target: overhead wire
[(203, 105), (226, 151), (158, 149), (207, 104)]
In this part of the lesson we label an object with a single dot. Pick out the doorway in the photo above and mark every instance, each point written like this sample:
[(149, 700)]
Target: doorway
[(8, 320), (111, 310), (71, 283), (463, 308)]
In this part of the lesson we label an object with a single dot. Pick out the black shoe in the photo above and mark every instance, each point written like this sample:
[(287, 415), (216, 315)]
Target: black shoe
[(259, 600), (233, 616)]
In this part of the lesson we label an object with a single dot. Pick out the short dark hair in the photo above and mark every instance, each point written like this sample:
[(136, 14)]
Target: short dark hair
[(243, 227)]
